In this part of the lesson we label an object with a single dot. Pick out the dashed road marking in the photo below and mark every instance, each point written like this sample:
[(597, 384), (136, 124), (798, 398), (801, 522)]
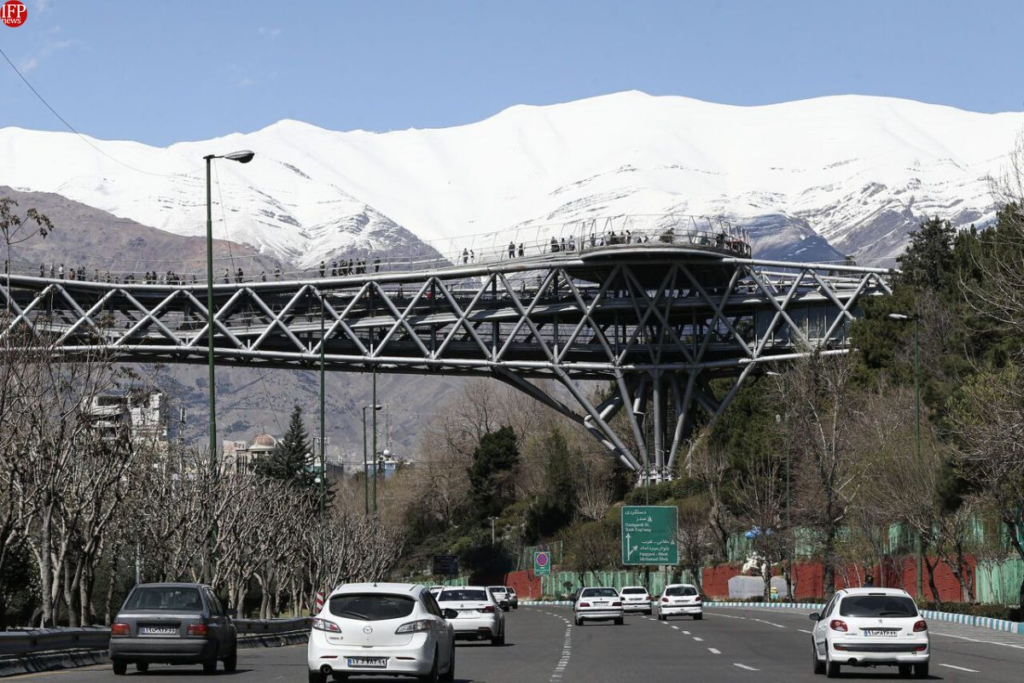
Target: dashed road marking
[(744, 666), (699, 640), (676, 627), (714, 651), (960, 668), (803, 631), (686, 633)]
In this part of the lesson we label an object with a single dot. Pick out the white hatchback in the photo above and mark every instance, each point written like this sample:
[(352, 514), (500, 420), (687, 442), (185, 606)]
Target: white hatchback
[(635, 599), (680, 598), (597, 604), (389, 629), (870, 627), (478, 615)]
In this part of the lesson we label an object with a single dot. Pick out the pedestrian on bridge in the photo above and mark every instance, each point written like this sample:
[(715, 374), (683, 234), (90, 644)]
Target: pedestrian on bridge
[(554, 246), (71, 274), (323, 268), (563, 244), (238, 276), (334, 269), (522, 252), (263, 276), (51, 270), (511, 249), (277, 273), (465, 256), (62, 271), (227, 276), (42, 270), (376, 265), (472, 256)]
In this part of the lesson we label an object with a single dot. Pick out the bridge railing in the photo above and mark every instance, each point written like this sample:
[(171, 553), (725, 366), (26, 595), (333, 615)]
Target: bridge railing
[(528, 241)]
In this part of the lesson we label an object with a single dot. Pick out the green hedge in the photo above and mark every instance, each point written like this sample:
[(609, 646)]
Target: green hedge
[(1009, 613)]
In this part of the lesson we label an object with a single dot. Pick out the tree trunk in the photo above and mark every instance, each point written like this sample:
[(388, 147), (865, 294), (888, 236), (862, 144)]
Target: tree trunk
[(108, 601)]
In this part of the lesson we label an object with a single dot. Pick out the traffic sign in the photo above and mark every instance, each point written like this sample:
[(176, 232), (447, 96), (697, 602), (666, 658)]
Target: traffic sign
[(542, 562), (649, 535), (445, 565)]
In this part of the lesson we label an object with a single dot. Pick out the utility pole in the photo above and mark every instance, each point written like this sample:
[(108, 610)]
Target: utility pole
[(375, 409)]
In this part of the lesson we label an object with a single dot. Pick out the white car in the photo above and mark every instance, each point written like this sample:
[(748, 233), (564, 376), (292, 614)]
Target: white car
[(635, 599), (391, 629), (680, 598), (500, 594), (478, 615), (597, 604), (436, 590), (870, 627)]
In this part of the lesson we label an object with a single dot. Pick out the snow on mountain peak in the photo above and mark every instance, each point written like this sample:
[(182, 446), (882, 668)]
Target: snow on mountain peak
[(857, 170)]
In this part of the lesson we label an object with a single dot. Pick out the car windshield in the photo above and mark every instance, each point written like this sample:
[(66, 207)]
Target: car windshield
[(634, 591), (164, 599), (497, 589), (371, 606), (599, 593), (462, 595), (877, 606), (680, 590)]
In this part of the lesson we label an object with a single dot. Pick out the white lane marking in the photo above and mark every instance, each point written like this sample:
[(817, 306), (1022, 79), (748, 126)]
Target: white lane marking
[(960, 668), (977, 640), (803, 631), (563, 662), (676, 627), (729, 616), (744, 666), (714, 651), (686, 633), (699, 640)]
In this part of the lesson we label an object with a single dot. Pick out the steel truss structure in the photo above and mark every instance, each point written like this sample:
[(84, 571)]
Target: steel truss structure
[(654, 325)]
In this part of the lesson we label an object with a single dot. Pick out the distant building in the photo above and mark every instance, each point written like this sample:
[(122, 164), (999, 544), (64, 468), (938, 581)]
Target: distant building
[(386, 465), (240, 457), (142, 413)]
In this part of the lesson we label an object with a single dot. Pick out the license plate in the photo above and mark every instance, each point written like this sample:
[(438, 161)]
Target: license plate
[(880, 632), (600, 604), (369, 662), (158, 631)]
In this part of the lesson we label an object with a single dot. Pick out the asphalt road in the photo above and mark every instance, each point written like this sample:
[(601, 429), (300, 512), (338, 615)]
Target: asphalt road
[(728, 645)]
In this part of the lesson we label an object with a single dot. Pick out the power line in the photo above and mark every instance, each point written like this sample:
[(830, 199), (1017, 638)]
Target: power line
[(75, 131)]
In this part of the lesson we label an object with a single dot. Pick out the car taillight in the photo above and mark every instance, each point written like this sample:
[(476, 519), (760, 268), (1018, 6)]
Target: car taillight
[(664, 599), (616, 604), (838, 625), (198, 630), (119, 630), (696, 601), (415, 626), (584, 604), (920, 648), (920, 625), (487, 610), (326, 625)]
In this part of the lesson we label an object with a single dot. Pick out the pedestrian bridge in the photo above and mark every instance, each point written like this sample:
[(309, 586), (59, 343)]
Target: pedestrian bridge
[(653, 319)]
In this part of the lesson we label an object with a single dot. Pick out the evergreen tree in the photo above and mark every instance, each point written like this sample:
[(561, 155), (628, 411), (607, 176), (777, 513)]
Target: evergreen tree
[(556, 506), (491, 474), (292, 458)]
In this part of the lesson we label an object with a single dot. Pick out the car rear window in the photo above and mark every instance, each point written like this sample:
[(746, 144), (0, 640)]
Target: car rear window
[(164, 599), (681, 590), (877, 606), (600, 593), (634, 591), (462, 595), (371, 606)]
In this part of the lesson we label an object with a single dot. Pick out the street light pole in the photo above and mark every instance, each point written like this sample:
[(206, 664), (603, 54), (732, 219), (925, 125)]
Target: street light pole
[(323, 452), (919, 551), (492, 529), (242, 157), (374, 417), (366, 462)]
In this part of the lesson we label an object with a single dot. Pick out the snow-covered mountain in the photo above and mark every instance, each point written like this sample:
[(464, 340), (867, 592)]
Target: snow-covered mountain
[(811, 179)]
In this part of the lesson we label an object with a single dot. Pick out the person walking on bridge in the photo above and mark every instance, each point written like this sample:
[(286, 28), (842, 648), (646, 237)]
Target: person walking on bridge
[(61, 271), (465, 256), (42, 270), (521, 250), (554, 245), (511, 249), (323, 268)]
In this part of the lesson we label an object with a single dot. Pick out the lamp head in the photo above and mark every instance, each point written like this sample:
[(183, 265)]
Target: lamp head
[(242, 156)]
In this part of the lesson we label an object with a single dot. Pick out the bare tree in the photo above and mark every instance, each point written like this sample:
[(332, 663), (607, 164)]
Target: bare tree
[(761, 498)]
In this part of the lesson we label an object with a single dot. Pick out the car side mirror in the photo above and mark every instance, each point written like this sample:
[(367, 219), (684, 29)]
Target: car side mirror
[(815, 616), (233, 613), (450, 613)]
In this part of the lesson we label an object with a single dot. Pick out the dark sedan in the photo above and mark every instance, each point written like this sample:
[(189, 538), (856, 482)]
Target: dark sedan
[(173, 623)]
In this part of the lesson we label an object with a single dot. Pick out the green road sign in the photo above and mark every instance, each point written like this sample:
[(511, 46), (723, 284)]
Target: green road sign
[(542, 563), (649, 535)]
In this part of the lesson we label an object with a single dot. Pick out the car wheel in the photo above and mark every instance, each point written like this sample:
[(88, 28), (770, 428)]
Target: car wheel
[(120, 667), (317, 677), (698, 617), (831, 668), (579, 622), (231, 661), (431, 677), (819, 666), (649, 612), (921, 670), (498, 640), (142, 667), (340, 677), (620, 621), (905, 670), (449, 675), (210, 667)]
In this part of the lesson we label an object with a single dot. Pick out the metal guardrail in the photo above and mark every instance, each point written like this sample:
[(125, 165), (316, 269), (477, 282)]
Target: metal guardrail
[(98, 638)]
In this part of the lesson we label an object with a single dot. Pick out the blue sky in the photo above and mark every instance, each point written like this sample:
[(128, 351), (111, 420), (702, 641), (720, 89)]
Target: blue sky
[(165, 71)]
